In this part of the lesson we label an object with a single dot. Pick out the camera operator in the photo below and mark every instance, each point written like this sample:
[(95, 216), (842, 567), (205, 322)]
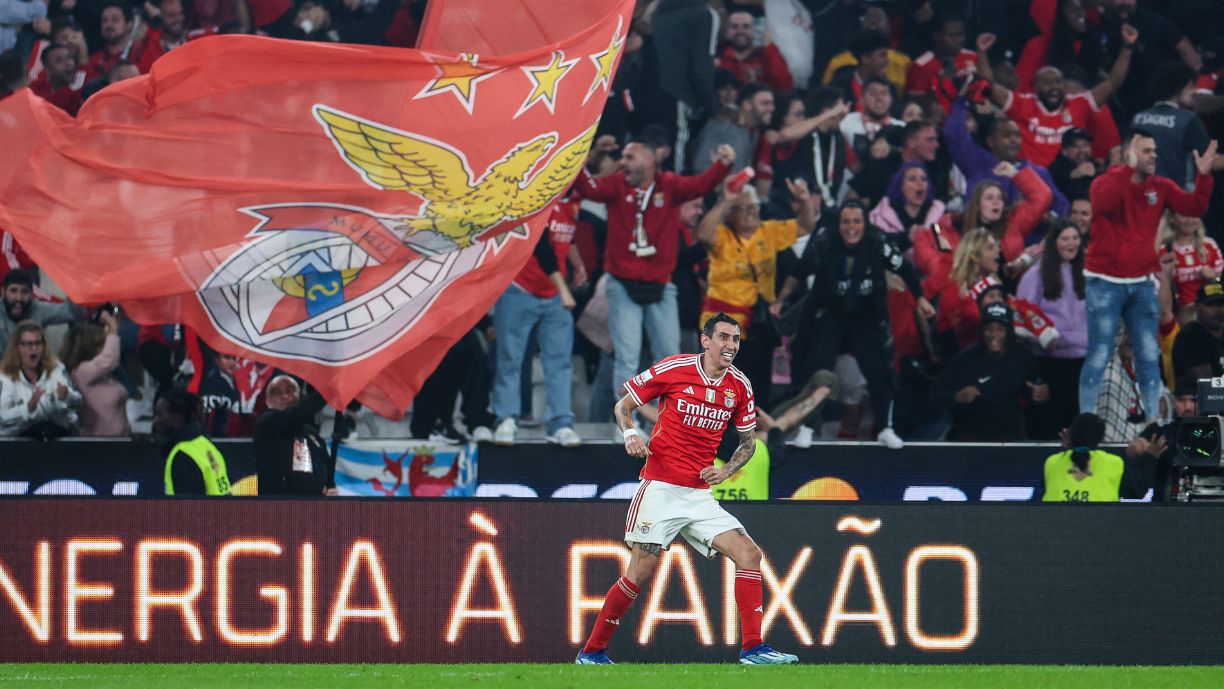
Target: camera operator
[(1150, 454)]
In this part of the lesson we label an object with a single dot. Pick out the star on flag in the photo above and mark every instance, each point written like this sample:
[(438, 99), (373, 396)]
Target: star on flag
[(459, 78), (604, 61), (545, 79)]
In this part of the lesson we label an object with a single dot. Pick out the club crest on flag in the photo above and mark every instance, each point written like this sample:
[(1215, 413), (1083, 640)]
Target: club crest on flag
[(304, 287)]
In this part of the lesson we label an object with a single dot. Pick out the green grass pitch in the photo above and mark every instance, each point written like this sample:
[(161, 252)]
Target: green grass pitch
[(560, 676)]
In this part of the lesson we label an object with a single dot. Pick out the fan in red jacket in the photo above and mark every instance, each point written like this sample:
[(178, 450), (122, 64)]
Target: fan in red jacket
[(1121, 262)]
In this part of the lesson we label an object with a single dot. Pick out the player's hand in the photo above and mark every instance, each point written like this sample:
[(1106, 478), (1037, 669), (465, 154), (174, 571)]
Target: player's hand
[(775, 309), (1209, 273), (1203, 163), (725, 154), (636, 446), (714, 475), (1039, 393), (1129, 34), (985, 41), (925, 309), (967, 395)]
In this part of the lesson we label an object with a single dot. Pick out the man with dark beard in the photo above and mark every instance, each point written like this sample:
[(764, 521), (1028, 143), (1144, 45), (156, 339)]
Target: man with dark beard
[(20, 305), (1045, 115)]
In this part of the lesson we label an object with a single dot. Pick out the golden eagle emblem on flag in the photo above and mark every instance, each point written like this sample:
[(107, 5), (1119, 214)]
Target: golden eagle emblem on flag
[(457, 205)]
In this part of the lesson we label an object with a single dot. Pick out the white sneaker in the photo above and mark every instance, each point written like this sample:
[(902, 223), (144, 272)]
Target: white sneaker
[(803, 437), (482, 434), (504, 433), (566, 437), (889, 438), (440, 438)]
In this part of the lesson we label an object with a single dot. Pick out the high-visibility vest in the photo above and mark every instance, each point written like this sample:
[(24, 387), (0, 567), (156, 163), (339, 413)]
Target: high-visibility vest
[(1103, 485), (751, 482), (209, 460)]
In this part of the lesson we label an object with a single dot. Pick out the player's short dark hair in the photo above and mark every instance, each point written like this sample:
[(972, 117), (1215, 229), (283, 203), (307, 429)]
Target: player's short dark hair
[(19, 276), (749, 91), (867, 41), (712, 321), (1169, 79), (126, 9), (182, 403)]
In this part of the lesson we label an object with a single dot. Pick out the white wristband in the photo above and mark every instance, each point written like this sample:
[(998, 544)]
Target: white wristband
[(628, 432)]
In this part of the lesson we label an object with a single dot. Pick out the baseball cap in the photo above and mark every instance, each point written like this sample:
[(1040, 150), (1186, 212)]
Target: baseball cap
[(1075, 135), (997, 312), (1210, 292)]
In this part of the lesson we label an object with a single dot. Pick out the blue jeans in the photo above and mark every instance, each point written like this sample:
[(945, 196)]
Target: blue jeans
[(625, 320), (514, 315), (1138, 304)]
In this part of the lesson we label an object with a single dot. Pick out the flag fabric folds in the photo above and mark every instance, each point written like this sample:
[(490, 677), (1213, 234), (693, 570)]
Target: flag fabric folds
[(342, 212)]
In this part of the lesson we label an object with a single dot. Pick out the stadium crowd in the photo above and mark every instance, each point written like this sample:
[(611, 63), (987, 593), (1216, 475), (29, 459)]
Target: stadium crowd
[(982, 217)]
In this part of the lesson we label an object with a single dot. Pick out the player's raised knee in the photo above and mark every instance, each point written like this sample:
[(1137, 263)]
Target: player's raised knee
[(747, 556)]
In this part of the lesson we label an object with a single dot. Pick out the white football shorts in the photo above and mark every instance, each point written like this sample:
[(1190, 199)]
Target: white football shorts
[(661, 511)]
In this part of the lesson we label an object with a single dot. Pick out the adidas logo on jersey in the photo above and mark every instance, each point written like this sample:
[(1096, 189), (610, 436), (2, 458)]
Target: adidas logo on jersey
[(688, 390), (615, 622)]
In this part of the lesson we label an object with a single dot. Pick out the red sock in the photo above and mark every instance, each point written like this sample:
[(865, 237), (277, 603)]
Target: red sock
[(749, 598), (618, 600)]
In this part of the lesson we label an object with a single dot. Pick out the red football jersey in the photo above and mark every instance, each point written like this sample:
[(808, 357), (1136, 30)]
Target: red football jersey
[(1041, 130), (1189, 273), (926, 76), (693, 415)]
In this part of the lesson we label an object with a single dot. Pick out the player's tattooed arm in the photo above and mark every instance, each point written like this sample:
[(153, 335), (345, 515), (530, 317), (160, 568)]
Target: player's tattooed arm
[(635, 445), (650, 548), (715, 475), (743, 453)]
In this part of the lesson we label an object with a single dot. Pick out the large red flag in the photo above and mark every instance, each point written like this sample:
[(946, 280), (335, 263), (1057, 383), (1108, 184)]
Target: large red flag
[(342, 212)]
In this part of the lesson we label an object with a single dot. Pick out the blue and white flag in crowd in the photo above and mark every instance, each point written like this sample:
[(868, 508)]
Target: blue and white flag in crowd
[(405, 468)]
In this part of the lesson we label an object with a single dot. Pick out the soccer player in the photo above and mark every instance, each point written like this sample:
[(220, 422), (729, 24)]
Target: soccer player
[(699, 395)]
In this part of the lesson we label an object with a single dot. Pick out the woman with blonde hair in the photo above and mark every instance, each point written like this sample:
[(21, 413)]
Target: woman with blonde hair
[(987, 209), (36, 396), (91, 354), (975, 266), (1198, 256)]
